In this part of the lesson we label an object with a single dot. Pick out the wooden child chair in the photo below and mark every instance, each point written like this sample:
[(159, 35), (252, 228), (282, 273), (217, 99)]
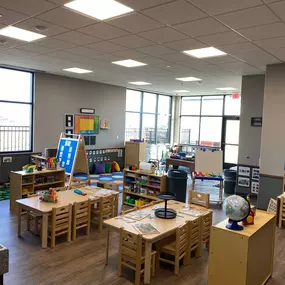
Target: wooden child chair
[(60, 223), (131, 254), (33, 217), (206, 228), (179, 248), (199, 198), (194, 239), (116, 204), (105, 209), (81, 217)]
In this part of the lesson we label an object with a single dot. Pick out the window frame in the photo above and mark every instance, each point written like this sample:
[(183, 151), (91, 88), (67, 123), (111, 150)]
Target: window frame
[(31, 103), (156, 114)]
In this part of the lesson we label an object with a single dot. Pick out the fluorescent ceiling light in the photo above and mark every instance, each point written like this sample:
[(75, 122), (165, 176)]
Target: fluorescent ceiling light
[(226, 88), (78, 70), (181, 91), (140, 83), (185, 79), (99, 9), (129, 63), (205, 52), (20, 34)]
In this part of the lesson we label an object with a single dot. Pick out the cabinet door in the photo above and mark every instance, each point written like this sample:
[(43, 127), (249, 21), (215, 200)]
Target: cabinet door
[(131, 154)]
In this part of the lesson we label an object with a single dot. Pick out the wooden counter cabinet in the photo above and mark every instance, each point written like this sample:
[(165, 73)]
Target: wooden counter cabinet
[(242, 257)]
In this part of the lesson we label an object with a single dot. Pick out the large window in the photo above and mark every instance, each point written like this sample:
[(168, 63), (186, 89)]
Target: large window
[(211, 121), (16, 109), (148, 117)]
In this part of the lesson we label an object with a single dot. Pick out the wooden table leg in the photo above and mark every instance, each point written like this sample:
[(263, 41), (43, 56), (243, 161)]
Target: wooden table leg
[(107, 246), (147, 265), (44, 231), (19, 220)]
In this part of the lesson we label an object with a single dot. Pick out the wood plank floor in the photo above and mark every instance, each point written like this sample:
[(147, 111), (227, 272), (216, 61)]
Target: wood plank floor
[(81, 262)]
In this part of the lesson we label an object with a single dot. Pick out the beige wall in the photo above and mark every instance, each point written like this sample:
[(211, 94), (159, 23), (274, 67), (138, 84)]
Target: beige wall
[(273, 132), (57, 95)]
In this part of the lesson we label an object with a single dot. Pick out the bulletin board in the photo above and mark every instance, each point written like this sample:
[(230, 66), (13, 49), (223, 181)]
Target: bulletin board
[(209, 161), (86, 124)]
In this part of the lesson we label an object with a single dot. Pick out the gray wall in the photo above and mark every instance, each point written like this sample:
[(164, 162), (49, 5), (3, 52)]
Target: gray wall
[(251, 106), (57, 95)]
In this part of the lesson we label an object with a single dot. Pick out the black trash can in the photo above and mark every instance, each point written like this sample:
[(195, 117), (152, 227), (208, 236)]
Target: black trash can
[(177, 183), (230, 176)]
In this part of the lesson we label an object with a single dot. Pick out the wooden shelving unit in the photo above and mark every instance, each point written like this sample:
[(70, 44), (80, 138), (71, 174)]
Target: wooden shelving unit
[(22, 183), (140, 185)]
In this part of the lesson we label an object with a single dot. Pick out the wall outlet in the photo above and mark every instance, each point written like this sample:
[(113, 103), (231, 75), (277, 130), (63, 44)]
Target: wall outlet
[(7, 159), (118, 137)]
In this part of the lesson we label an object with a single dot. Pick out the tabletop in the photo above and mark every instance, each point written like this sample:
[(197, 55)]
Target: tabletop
[(164, 226), (65, 198)]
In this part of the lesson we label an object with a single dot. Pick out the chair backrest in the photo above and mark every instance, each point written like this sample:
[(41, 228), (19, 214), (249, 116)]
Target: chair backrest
[(116, 204), (130, 246), (106, 206), (128, 211), (198, 198), (82, 212), (194, 233), (182, 239), (61, 219), (206, 226)]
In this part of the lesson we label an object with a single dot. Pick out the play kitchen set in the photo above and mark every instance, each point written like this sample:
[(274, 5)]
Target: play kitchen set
[(142, 185)]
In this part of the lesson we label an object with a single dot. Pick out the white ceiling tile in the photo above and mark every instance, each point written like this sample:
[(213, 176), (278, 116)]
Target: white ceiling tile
[(155, 61), (155, 50), (28, 7), (66, 18), (30, 24), (222, 39), (71, 57), (132, 41), (59, 2), (35, 48), (109, 57), (163, 35), (175, 12), (19, 53), (201, 27), (10, 43), (271, 1), (257, 57), (129, 53), (55, 44), (186, 44), (142, 4), (248, 18), (279, 9), (219, 60), (278, 52), (135, 23), (106, 47), (103, 31), (77, 38), (239, 47), (223, 6), (84, 51), (241, 68), (264, 32), (176, 57), (271, 43), (9, 17)]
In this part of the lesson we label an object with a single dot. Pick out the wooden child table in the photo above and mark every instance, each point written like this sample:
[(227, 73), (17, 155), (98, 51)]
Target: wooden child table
[(165, 227)]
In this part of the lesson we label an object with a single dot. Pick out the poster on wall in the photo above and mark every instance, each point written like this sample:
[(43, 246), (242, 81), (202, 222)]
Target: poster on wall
[(254, 187), (255, 173), (69, 120), (244, 171), (86, 124), (243, 181)]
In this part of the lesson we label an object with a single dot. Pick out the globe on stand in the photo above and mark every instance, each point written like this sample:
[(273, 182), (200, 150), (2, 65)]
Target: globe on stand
[(236, 209)]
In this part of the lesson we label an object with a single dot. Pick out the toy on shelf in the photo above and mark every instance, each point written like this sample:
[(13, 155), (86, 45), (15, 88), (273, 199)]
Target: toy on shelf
[(51, 163), (49, 196), (29, 168), (133, 167), (249, 220)]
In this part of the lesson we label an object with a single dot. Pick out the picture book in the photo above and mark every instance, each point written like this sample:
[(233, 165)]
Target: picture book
[(137, 215), (146, 228)]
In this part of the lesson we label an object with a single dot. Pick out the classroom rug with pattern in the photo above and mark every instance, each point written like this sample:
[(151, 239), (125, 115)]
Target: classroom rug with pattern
[(115, 177)]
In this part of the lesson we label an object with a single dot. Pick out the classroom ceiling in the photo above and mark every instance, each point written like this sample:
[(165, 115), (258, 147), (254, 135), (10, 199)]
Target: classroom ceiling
[(252, 32)]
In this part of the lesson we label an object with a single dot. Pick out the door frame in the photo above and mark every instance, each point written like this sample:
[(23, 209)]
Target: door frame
[(223, 141)]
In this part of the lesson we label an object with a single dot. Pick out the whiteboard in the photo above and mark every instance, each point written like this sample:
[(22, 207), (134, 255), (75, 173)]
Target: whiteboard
[(209, 161)]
